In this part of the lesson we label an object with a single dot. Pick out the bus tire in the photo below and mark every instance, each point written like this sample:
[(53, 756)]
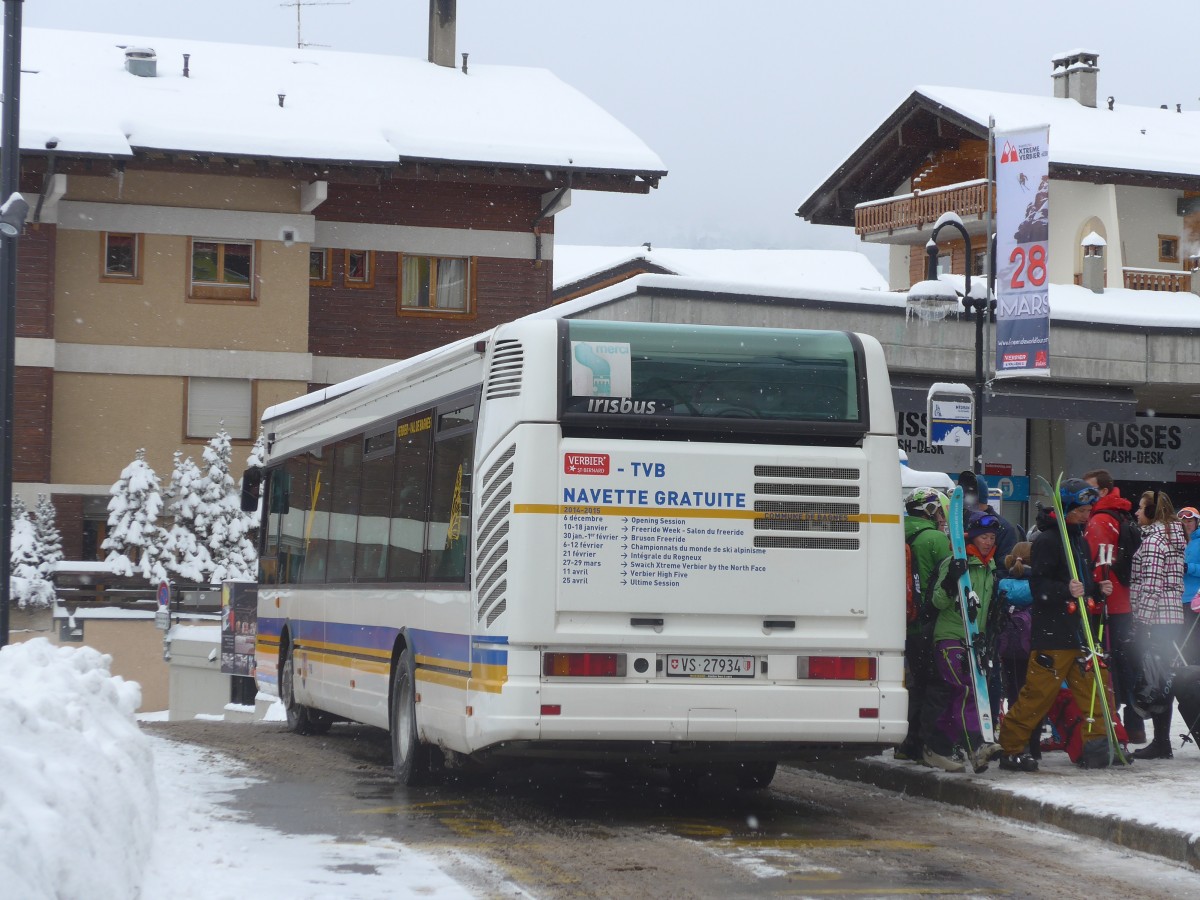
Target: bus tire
[(411, 759), (300, 719), (756, 774)]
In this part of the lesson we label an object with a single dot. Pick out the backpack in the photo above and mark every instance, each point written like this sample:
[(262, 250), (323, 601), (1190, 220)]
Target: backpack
[(1065, 718), (916, 595), (1129, 538)]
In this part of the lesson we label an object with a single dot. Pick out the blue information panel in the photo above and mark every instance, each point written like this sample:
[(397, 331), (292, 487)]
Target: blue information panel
[(1015, 488)]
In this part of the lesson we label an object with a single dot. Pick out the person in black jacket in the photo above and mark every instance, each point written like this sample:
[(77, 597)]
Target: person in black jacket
[(975, 497), (1056, 643)]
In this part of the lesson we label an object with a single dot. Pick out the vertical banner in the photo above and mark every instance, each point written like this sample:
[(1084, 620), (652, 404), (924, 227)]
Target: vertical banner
[(1022, 235)]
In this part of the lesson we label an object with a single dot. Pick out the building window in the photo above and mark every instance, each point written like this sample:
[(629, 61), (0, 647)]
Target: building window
[(979, 264), (121, 257), (1168, 248), (216, 403), (318, 268), (222, 270), (360, 269), (434, 283)]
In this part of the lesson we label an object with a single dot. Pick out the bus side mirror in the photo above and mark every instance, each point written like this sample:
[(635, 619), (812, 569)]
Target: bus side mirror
[(251, 488)]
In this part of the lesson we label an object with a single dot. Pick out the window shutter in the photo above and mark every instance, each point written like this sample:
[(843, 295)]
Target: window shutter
[(214, 403)]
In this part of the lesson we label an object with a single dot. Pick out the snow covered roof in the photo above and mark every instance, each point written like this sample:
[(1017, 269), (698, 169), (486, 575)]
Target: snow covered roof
[(1125, 145), (308, 104), (809, 268), (1126, 138)]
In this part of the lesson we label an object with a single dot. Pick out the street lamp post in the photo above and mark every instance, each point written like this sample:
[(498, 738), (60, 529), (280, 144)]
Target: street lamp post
[(932, 301), (13, 213)]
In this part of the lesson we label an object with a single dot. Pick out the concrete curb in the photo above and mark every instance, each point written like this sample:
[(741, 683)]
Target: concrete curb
[(1168, 843)]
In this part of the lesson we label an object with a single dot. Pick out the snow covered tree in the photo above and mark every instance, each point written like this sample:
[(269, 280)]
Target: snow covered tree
[(26, 585), (135, 540), (183, 554), (219, 524), (49, 538), (258, 453)]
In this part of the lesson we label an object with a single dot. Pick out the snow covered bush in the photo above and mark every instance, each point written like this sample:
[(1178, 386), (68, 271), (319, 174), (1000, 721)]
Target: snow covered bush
[(27, 585), (67, 730), (220, 523), (49, 539), (134, 538), (183, 554)]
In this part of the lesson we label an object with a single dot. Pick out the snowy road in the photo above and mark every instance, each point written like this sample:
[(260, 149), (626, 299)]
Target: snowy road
[(561, 831)]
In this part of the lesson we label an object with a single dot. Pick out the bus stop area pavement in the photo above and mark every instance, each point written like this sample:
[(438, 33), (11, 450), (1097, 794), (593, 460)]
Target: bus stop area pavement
[(1152, 806)]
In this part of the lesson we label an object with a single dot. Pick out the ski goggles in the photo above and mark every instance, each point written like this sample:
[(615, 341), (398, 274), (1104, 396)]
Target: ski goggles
[(1188, 512), (1083, 497), (984, 523)]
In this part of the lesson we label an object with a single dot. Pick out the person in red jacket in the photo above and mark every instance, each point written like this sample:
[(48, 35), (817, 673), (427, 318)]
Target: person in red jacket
[(1103, 531)]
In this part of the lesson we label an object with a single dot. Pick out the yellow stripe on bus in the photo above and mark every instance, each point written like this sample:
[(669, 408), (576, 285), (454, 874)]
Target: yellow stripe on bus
[(486, 678), (567, 509)]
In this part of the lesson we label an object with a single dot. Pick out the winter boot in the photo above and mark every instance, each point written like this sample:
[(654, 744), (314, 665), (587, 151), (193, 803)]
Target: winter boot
[(1018, 762), (908, 750), (982, 755), (946, 763), (1159, 748)]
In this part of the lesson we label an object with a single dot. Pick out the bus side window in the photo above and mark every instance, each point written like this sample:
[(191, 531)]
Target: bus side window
[(374, 518), (343, 510), (450, 508), (316, 525), (406, 541), (268, 558)]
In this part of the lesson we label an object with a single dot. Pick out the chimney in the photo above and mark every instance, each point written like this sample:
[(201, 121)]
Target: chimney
[(1075, 76), (442, 21), (141, 61), (1093, 263)]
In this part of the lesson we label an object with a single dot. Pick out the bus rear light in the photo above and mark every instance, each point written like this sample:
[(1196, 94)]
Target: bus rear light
[(551, 709), (587, 665), (836, 668), (868, 712)]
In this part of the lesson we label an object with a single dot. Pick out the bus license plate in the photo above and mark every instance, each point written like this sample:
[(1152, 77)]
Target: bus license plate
[(710, 666)]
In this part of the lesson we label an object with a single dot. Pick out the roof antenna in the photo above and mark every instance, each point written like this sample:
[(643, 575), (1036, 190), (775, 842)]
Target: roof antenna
[(300, 42)]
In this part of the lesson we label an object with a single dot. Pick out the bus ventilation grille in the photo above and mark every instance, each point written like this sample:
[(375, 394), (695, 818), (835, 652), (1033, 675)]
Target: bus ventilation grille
[(491, 549), (826, 522), (508, 363)]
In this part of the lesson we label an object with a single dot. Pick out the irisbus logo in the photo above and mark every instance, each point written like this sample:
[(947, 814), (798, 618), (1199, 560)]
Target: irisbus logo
[(585, 463)]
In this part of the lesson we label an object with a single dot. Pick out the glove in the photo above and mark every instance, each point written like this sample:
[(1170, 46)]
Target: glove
[(954, 571)]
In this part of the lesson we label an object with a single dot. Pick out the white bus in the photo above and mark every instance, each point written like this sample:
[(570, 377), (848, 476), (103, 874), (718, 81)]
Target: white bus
[(579, 538)]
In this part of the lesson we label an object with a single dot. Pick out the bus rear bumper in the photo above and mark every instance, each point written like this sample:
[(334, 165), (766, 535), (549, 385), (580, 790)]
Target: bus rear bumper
[(721, 714)]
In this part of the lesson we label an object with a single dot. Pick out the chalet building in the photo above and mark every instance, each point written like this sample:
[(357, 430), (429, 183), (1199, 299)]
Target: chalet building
[(216, 228), (1127, 175)]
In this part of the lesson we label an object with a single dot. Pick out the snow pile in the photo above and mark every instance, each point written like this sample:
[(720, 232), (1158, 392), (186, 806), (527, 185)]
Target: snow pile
[(77, 797)]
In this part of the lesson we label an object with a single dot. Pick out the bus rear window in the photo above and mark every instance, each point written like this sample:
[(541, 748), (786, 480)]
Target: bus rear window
[(668, 372)]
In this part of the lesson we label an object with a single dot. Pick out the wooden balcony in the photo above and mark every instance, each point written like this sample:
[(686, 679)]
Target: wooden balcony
[(921, 209), (1157, 280)]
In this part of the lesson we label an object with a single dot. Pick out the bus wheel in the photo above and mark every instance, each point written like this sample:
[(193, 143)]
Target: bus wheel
[(300, 719), (754, 775), (411, 759)]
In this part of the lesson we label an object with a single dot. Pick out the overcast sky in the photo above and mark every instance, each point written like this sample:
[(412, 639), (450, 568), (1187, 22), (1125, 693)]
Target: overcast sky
[(750, 103)]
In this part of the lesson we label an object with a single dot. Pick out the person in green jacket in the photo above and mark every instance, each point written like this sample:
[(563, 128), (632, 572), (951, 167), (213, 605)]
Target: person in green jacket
[(950, 717), (924, 532)]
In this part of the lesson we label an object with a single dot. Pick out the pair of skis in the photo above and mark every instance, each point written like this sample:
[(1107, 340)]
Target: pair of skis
[(1093, 654), (969, 605)]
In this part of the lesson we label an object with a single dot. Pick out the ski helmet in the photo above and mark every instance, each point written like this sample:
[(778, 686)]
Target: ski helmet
[(924, 502), (1075, 492)]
